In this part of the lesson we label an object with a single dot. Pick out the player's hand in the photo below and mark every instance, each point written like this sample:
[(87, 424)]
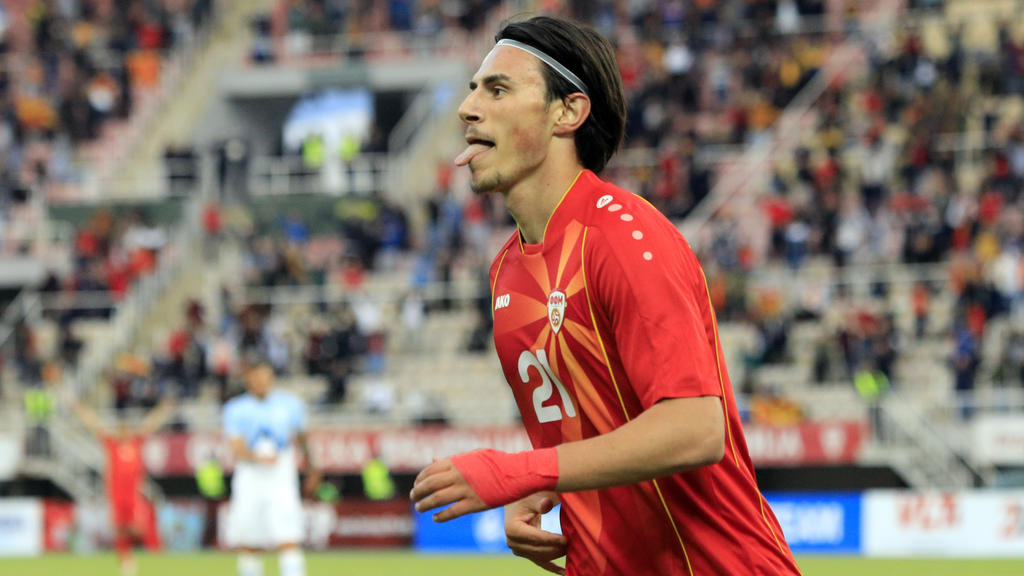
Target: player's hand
[(265, 459), (313, 479), (441, 484), (524, 536)]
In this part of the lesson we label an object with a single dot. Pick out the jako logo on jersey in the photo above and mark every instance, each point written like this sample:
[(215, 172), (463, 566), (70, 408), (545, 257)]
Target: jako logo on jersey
[(556, 310), (502, 302)]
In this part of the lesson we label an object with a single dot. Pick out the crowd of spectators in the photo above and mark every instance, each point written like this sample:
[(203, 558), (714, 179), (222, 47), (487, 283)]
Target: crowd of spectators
[(329, 337), (111, 250), (69, 68), (364, 29), (886, 177), (916, 159), (878, 180)]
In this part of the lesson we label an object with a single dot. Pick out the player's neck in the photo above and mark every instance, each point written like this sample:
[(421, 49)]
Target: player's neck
[(533, 201)]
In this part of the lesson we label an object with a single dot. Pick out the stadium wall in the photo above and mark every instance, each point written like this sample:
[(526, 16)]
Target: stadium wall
[(874, 523)]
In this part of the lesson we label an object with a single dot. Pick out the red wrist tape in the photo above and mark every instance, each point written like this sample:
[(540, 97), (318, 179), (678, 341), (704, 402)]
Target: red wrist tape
[(500, 478)]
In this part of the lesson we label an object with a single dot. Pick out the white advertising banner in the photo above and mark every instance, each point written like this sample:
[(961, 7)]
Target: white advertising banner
[(21, 527), (998, 439), (10, 454), (979, 523)]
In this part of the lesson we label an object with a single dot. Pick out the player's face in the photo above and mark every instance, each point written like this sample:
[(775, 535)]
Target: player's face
[(509, 123), (259, 379)]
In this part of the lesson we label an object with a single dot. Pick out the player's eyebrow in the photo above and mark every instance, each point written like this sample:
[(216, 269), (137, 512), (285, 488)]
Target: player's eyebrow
[(489, 80)]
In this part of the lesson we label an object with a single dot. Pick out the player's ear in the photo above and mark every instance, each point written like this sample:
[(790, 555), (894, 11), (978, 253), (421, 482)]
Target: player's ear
[(573, 112)]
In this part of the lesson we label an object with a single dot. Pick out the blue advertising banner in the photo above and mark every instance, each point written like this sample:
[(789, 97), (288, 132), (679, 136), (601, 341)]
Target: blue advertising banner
[(482, 532), (828, 522)]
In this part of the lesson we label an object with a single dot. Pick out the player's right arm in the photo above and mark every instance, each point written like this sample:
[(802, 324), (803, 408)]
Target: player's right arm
[(234, 417), (524, 536), (89, 419), (158, 416), (244, 454)]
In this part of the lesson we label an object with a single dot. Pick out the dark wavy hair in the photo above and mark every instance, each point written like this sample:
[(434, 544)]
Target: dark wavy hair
[(591, 57)]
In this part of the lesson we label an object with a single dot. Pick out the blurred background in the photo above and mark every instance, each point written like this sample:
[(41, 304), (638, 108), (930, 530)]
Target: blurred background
[(185, 181)]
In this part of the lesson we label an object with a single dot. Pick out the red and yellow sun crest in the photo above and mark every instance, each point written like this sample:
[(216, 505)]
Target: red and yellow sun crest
[(556, 310)]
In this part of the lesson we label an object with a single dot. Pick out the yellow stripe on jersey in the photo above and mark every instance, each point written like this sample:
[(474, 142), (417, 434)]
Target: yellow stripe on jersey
[(560, 200), (615, 384), (718, 364), (725, 406)]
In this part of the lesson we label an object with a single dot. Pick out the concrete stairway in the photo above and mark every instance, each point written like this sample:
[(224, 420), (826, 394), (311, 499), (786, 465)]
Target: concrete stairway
[(181, 107)]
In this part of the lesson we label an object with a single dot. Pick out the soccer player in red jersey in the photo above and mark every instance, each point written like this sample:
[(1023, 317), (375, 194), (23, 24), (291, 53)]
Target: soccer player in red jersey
[(606, 335), (132, 515)]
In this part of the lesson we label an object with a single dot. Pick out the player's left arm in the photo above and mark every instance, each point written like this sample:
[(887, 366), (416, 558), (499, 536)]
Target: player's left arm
[(656, 312), (88, 417), (157, 417), (313, 473), (674, 435), (659, 317)]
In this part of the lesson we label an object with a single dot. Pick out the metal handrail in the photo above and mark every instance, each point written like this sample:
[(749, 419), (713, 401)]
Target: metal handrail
[(933, 461), (287, 175), (787, 132)]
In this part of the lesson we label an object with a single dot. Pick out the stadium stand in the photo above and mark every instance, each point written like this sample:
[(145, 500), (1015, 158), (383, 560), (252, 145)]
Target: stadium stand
[(853, 191)]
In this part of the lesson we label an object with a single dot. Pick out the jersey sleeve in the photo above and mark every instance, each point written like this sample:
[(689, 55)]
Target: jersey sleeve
[(648, 286), (300, 418), (232, 420)]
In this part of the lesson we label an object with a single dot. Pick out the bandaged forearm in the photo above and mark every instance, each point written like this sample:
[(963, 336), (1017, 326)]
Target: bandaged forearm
[(500, 478)]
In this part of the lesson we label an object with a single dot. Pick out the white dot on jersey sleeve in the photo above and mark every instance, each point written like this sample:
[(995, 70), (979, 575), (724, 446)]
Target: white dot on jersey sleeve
[(615, 207), (627, 217), (638, 235), (604, 200), (648, 256)]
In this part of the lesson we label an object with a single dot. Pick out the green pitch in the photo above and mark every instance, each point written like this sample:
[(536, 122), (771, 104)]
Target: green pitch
[(410, 564)]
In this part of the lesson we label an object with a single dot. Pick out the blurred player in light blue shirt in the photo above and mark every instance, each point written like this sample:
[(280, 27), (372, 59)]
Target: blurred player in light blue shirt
[(266, 508)]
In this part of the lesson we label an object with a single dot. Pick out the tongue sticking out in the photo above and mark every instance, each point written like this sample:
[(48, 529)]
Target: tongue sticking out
[(471, 151)]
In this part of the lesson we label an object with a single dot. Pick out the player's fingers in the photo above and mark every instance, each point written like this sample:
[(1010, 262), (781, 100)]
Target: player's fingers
[(435, 467), (525, 534), (461, 508), (438, 498), (550, 566), (545, 505), (536, 553), (424, 487), (311, 485)]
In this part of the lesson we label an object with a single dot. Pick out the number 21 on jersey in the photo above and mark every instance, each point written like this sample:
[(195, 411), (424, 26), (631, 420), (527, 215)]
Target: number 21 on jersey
[(543, 393)]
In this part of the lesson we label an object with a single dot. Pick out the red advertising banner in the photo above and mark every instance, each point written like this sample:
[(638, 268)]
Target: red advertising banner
[(411, 449), (368, 523), (349, 523), (808, 443), (58, 524), (341, 451)]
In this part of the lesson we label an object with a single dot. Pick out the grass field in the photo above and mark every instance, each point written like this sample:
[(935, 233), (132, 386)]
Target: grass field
[(410, 564)]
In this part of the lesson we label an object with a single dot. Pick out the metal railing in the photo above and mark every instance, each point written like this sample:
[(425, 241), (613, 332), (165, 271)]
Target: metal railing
[(284, 175), (921, 454), (76, 456)]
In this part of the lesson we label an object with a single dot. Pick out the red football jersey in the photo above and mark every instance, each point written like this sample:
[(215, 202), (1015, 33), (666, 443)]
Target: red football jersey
[(604, 318), (125, 469)]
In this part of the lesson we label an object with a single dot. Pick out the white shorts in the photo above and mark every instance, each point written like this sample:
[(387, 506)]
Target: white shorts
[(266, 509)]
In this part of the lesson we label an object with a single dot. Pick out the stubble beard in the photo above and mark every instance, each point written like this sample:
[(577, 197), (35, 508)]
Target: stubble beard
[(487, 185)]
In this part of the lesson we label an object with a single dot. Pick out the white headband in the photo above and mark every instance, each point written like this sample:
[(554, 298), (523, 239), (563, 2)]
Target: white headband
[(555, 64)]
